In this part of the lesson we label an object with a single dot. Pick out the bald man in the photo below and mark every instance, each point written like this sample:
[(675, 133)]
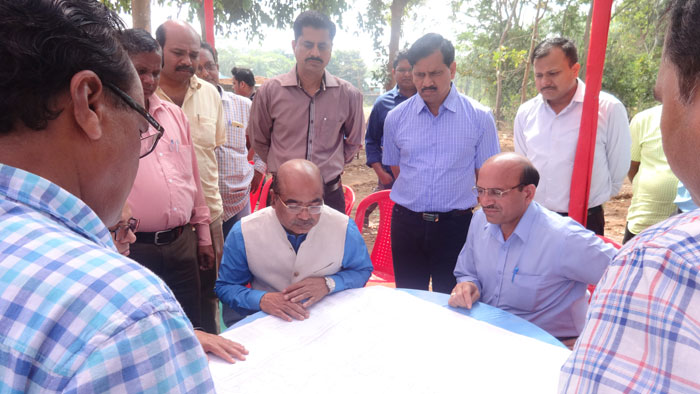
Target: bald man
[(523, 258), (294, 252), (202, 104)]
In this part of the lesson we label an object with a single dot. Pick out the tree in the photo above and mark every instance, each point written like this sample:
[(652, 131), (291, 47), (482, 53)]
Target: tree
[(263, 63), (349, 66)]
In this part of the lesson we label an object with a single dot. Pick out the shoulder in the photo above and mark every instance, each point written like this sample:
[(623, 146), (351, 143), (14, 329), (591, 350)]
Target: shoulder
[(334, 218), (236, 99), (401, 111), (677, 236), (610, 103), (346, 87), (529, 106)]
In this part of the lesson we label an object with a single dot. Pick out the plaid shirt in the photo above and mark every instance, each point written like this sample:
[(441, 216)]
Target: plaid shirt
[(75, 316), (642, 333)]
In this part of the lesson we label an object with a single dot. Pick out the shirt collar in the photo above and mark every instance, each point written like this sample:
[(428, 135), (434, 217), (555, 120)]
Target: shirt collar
[(47, 197), (292, 79), (154, 103), (450, 103), (522, 229)]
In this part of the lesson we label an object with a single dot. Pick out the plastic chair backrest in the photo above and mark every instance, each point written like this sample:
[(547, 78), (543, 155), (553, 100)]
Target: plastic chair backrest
[(262, 201), (381, 252), (255, 196), (591, 288), (349, 199)]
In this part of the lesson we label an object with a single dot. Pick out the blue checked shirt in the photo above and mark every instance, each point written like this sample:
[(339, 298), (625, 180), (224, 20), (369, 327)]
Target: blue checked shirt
[(75, 316), (375, 125), (642, 332), (438, 155)]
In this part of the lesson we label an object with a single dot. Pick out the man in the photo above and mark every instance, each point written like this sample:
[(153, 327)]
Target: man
[(404, 89), (546, 131), (76, 316), (435, 142), (202, 104), (524, 258), (653, 184), (167, 196), (308, 113), (243, 82), (236, 175), (123, 235), (293, 253), (641, 334)]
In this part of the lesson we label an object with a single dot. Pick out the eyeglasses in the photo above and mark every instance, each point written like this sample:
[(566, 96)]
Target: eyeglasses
[(120, 231), (495, 193), (148, 141), (209, 66), (296, 208)]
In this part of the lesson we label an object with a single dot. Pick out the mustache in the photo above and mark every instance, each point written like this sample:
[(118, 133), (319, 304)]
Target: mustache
[(189, 69), (428, 88), (492, 206), (318, 59)]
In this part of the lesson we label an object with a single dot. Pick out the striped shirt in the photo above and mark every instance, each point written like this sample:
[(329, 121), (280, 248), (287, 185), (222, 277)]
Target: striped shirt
[(235, 173), (438, 155), (75, 316), (642, 333)]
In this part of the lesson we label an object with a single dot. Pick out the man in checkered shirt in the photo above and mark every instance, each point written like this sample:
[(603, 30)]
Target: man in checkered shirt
[(642, 333), (75, 316)]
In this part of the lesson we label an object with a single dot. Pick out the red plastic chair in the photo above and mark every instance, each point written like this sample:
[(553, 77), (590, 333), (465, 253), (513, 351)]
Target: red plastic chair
[(381, 252), (591, 288), (349, 199), (262, 202), (255, 196)]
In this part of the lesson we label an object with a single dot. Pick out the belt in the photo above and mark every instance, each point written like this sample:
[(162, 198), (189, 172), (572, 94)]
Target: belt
[(434, 216), (164, 237), (591, 211), (332, 185)]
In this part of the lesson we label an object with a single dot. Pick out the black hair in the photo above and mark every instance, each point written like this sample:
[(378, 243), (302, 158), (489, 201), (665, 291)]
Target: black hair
[(160, 35), (529, 176), (244, 75), (567, 46), (313, 19), (402, 55), (429, 43), (43, 44), (137, 41), (205, 45), (683, 46)]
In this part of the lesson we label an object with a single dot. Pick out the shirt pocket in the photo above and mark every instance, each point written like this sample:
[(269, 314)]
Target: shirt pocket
[(456, 153), (524, 291), (203, 131)]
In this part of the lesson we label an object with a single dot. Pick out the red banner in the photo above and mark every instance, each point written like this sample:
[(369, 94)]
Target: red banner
[(209, 21)]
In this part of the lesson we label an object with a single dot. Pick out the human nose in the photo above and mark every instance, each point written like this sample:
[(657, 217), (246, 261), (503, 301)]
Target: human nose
[(130, 237), (304, 213)]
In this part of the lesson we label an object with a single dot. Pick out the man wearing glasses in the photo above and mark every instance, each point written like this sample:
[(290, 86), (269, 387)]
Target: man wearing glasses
[(523, 258), (167, 196), (76, 316), (292, 253)]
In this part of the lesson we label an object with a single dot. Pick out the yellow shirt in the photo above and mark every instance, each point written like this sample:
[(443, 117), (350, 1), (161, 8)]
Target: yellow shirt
[(654, 186), (203, 108)]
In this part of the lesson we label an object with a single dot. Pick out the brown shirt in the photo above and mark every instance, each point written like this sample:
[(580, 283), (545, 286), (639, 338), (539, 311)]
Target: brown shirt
[(286, 123)]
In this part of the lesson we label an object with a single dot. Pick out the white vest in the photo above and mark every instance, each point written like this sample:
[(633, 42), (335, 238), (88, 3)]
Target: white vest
[(272, 260)]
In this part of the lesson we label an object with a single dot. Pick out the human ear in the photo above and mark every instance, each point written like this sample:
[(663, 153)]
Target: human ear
[(88, 97)]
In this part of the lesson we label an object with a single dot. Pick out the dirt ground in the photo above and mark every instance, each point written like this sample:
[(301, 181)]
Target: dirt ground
[(363, 181)]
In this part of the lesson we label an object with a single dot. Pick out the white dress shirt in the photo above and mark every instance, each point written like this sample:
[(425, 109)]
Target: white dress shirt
[(549, 140)]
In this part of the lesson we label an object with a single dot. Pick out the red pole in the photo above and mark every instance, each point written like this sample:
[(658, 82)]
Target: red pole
[(209, 21), (583, 163)]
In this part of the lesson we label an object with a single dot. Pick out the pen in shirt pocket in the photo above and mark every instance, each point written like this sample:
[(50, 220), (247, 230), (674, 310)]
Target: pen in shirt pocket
[(515, 272)]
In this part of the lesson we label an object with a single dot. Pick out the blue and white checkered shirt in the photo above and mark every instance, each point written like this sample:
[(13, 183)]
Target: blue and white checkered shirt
[(438, 155), (75, 316)]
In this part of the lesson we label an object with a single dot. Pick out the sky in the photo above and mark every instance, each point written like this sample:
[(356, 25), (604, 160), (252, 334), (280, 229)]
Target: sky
[(434, 17)]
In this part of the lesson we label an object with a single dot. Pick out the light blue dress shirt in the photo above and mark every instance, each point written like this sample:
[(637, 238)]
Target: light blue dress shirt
[(438, 155), (540, 273), (234, 273)]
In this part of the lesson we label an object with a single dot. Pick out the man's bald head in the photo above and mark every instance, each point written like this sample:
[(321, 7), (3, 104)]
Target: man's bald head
[(296, 173), (297, 183), (174, 26), (513, 163)]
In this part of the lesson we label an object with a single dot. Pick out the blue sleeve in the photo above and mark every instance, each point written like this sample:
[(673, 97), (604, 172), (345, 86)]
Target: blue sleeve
[(488, 143), (375, 132), (357, 266), (465, 269), (234, 275), (390, 151)]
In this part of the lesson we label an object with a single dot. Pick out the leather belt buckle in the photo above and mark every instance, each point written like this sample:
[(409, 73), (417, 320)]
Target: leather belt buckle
[(431, 217), (157, 235)]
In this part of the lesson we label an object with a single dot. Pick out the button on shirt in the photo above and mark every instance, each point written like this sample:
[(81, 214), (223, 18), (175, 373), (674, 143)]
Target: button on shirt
[(540, 272), (438, 155), (167, 192), (375, 125), (549, 140), (326, 129), (75, 316), (643, 329), (202, 105)]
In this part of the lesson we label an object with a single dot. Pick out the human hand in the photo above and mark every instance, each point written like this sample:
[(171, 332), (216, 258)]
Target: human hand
[(222, 347), (255, 183), (276, 304), (310, 289), (384, 177), (464, 295), (205, 257)]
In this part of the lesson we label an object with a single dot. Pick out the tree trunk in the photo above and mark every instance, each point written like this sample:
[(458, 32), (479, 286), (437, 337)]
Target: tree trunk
[(499, 72), (586, 37), (141, 14), (523, 87), (202, 20), (397, 10)]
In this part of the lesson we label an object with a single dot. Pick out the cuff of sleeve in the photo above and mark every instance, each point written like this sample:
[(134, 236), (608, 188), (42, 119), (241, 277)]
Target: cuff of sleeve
[(203, 234), (339, 283), (259, 165), (252, 299)]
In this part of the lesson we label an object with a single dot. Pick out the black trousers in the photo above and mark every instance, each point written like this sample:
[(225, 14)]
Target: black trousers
[(176, 264), (427, 249), (595, 220), (335, 198)]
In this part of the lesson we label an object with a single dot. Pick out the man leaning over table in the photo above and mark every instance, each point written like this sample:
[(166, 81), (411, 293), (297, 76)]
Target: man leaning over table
[(524, 258), (294, 252)]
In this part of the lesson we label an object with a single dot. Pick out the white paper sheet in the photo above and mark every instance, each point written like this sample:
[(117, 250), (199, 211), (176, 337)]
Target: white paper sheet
[(379, 340)]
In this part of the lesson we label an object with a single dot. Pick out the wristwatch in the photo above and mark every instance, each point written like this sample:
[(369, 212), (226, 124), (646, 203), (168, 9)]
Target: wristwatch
[(330, 283)]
